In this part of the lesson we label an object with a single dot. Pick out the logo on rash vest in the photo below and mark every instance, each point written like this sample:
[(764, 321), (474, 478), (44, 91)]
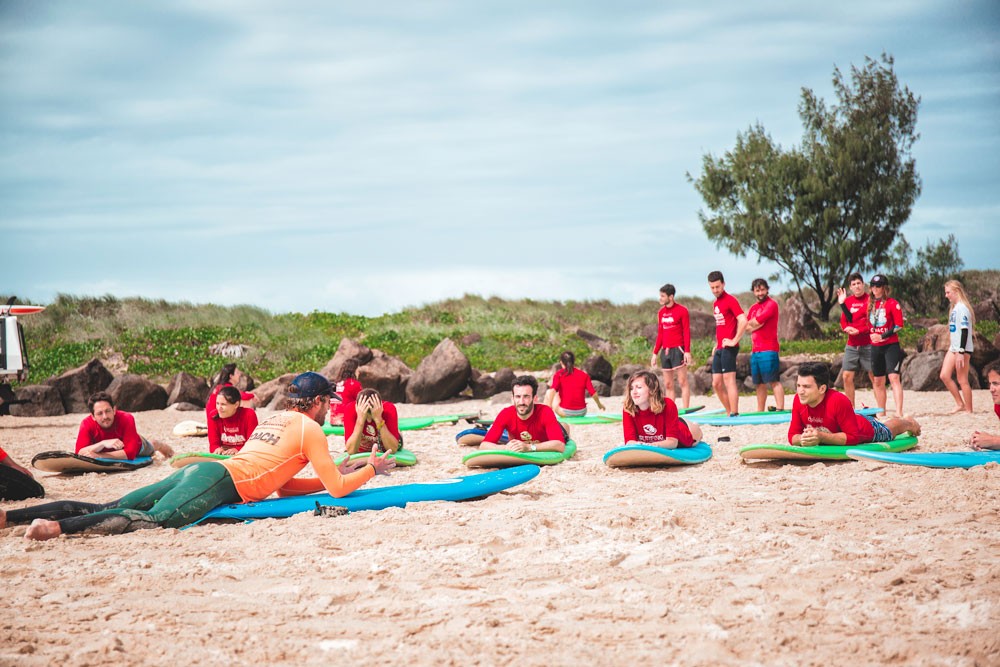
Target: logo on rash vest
[(526, 437), (817, 423), (720, 319), (649, 429), (370, 430), (668, 319)]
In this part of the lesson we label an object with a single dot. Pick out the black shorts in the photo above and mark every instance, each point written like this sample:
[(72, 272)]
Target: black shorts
[(887, 359), (724, 360), (671, 358)]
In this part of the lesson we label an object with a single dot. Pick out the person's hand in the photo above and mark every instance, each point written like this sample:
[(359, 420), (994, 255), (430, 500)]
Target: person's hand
[(728, 342), (810, 437), (113, 445), (687, 359), (226, 451), (517, 446), (349, 465), (362, 407), (382, 464), (841, 295), (961, 361), (652, 362), (851, 331), (375, 408), (876, 337)]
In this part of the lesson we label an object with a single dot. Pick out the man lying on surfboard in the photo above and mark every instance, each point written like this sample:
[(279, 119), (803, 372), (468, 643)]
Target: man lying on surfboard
[(532, 427), (370, 421), (109, 433), (278, 449), (824, 416), (980, 439)]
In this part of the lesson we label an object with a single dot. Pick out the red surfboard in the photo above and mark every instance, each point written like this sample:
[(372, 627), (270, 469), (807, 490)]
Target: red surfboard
[(20, 310)]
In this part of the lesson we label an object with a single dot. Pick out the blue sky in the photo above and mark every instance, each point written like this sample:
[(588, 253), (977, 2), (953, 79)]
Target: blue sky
[(321, 155)]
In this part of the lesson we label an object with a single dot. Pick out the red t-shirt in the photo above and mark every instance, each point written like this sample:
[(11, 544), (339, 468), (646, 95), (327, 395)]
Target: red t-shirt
[(571, 388), (996, 409), (647, 426), (348, 391), (211, 410), (834, 414), (233, 431), (122, 428), (884, 315), (541, 426), (727, 309), (674, 329), (764, 339), (369, 434), (858, 308), (3, 454)]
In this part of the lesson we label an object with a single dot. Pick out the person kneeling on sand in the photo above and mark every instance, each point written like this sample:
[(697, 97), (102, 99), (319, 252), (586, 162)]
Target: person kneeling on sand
[(278, 449), (111, 434), (650, 418), (980, 439), (370, 421), (530, 426), (824, 416)]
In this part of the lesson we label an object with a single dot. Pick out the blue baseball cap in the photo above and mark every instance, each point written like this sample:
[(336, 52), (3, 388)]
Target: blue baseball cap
[(309, 385)]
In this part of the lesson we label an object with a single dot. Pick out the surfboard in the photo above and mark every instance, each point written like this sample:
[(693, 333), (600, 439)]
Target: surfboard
[(191, 429), (15, 485), (451, 489), (21, 310), (966, 459), (824, 452), (471, 437), (403, 458), (601, 418), (646, 455), (70, 463), (751, 418), (405, 424), (503, 458), (454, 419)]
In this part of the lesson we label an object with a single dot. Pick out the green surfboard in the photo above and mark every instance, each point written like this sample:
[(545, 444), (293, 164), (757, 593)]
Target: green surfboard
[(823, 452), (503, 458)]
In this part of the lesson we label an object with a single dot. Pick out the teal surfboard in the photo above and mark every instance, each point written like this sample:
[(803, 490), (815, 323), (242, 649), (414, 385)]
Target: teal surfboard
[(646, 455), (824, 452), (405, 424), (453, 488), (751, 418), (503, 458), (969, 459), (70, 463)]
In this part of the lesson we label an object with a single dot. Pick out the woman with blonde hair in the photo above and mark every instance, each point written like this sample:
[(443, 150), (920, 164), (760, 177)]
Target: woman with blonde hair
[(961, 325), (648, 418)]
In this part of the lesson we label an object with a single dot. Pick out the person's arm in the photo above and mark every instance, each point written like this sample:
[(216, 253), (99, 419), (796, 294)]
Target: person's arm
[(354, 424), (386, 425), (629, 429), (492, 438), (593, 394), (982, 440), (6, 460), (795, 426), (112, 448), (328, 475), (214, 434), (960, 362), (550, 395), (741, 327), (131, 442)]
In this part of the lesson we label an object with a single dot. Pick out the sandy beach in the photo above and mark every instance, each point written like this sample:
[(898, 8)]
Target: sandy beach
[(722, 563)]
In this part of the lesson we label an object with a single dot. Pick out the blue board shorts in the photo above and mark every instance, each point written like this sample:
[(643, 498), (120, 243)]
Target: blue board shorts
[(724, 360), (764, 367), (882, 432)]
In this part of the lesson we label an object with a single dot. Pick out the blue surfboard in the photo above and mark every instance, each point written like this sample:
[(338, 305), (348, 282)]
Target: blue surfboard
[(757, 418), (454, 488), (969, 459), (646, 455)]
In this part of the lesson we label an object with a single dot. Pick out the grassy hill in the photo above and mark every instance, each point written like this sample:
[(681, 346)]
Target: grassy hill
[(157, 338)]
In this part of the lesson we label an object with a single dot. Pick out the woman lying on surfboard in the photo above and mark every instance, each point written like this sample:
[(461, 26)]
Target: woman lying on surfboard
[(278, 449), (232, 424), (229, 376), (648, 418)]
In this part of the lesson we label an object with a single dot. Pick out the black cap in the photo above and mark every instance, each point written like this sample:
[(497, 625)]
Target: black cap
[(878, 280), (309, 385)]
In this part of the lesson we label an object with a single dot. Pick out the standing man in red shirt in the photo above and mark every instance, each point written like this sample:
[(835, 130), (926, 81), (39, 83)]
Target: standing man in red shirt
[(765, 366), (111, 434), (730, 323), (672, 351), (885, 316), (824, 416), (854, 322), (532, 427)]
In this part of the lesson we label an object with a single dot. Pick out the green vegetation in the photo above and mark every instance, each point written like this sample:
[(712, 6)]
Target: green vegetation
[(158, 339)]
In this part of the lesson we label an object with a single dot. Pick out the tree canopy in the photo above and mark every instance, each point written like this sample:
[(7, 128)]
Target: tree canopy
[(833, 205)]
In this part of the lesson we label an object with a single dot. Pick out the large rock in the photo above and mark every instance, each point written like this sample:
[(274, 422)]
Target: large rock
[(938, 339), (603, 389), (134, 393), (348, 349), (700, 381), (650, 332), (186, 388), (43, 401), (988, 308), (387, 375), (595, 342), (441, 375), (599, 369), (482, 385), (267, 392), (922, 372), (620, 380), (505, 380), (702, 324), (75, 386), (795, 322)]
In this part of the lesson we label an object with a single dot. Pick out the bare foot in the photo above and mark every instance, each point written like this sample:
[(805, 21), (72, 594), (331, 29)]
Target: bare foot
[(958, 408), (163, 448), (3, 519), (43, 529)]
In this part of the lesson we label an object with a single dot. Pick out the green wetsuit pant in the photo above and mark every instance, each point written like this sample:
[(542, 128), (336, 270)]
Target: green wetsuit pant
[(182, 498)]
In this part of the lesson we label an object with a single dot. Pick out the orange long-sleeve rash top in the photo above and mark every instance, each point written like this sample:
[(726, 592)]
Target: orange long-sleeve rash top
[(278, 449)]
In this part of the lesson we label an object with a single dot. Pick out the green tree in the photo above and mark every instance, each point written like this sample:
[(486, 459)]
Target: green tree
[(920, 284), (835, 204)]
